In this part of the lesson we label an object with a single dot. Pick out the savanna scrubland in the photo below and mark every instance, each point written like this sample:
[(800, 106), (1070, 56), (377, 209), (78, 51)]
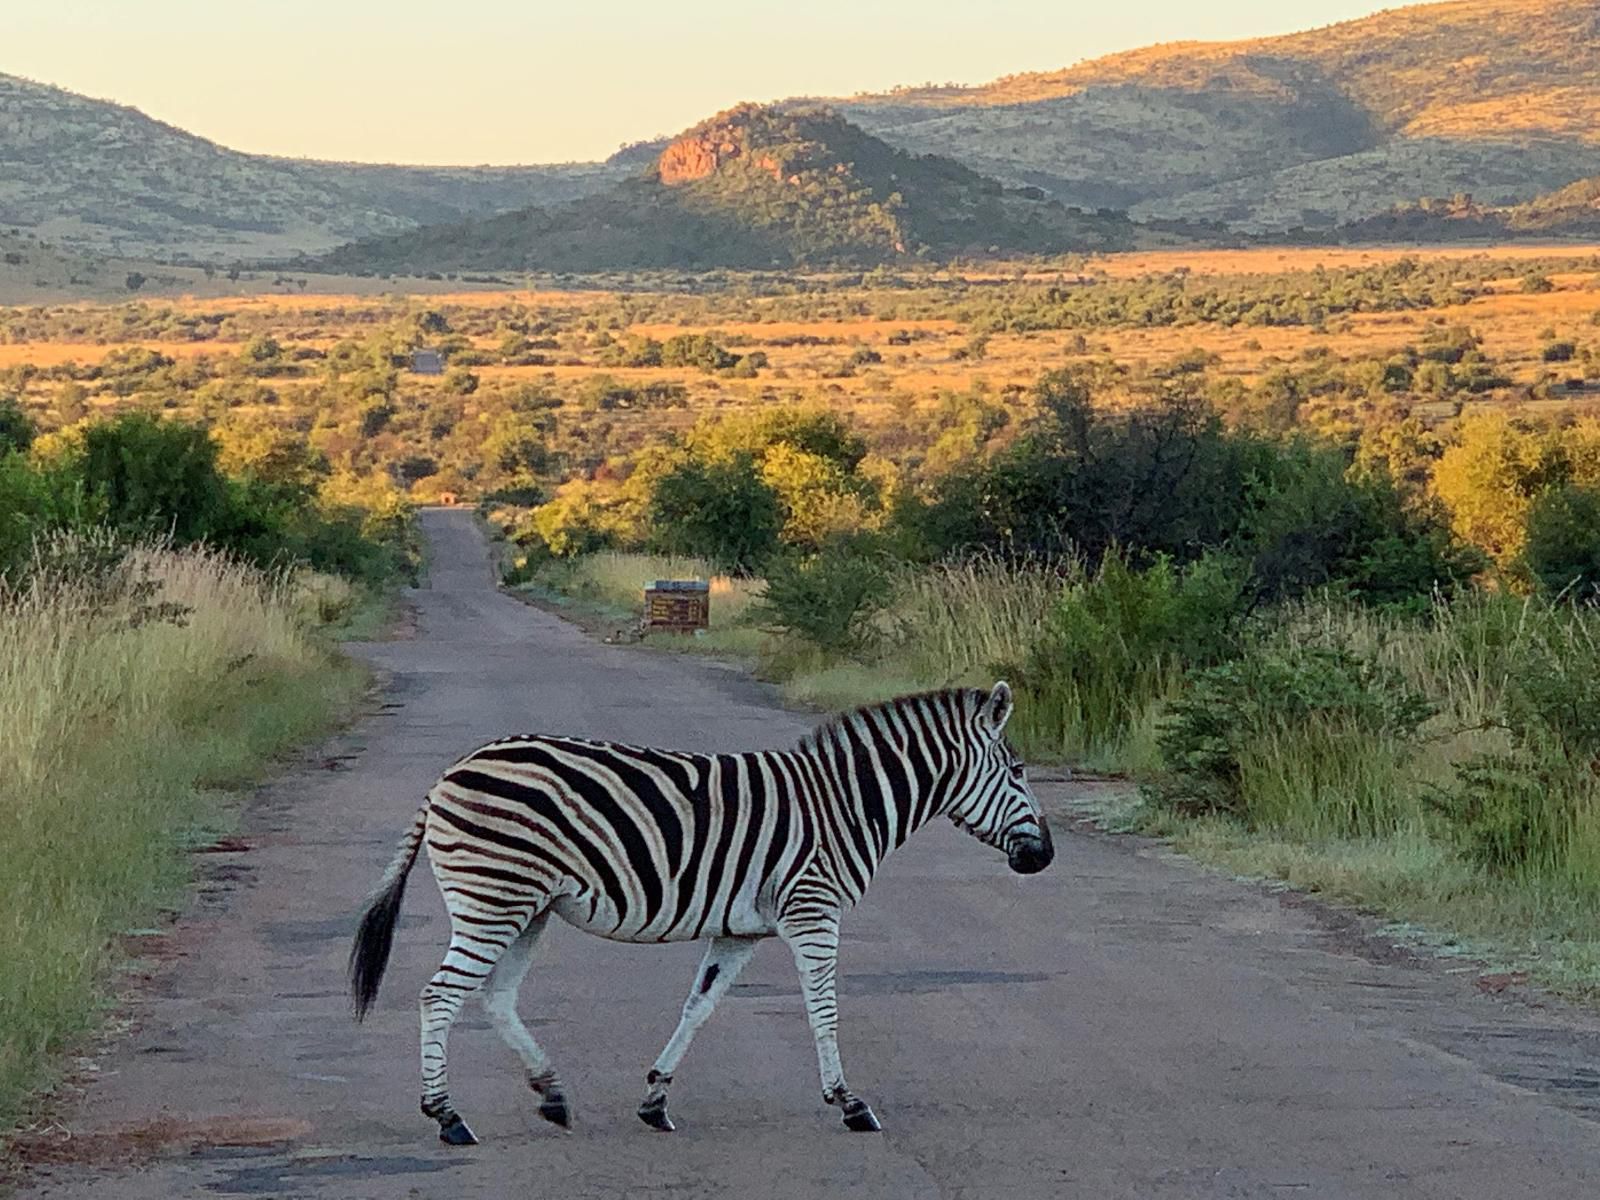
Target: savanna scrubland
[(1304, 543)]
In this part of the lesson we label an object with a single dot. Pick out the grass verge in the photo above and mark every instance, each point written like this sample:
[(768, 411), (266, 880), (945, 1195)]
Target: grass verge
[(133, 702)]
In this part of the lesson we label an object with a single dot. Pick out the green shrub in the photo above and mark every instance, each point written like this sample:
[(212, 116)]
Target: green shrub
[(1288, 736), (721, 510), (1115, 641), (1563, 547), (827, 598), (1508, 811), (1518, 809), (17, 429), (151, 476), (696, 350)]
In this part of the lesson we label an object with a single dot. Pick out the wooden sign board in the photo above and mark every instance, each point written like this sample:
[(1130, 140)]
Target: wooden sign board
[(677, 606)]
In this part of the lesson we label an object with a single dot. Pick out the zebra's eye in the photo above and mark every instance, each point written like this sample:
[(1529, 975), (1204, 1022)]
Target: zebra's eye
[(1018, 771)]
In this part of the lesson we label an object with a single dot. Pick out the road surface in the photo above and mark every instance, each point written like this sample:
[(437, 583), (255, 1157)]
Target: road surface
[(1123, 1025)]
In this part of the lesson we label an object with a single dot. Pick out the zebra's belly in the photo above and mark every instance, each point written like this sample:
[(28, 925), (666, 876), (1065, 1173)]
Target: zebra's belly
[(595, 913)]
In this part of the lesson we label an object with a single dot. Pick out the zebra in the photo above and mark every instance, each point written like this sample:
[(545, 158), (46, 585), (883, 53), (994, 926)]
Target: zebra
[(646, 845)]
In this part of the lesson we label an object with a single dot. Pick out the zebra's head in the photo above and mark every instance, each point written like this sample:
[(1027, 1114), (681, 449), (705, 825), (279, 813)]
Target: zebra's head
[(993, 803)]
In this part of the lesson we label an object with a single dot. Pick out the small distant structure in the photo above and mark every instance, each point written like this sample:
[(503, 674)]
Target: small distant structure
[(449, 498), (427, 362), (677, 606)]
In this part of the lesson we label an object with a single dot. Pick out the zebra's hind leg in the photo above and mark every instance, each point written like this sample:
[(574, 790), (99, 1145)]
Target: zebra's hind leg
[(475, 947), (725, 958), (500, 1002), (814, 941)]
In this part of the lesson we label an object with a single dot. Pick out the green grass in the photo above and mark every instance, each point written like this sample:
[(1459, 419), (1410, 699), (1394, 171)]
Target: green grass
[(1438, 902), (1352, 814), (124, 735)]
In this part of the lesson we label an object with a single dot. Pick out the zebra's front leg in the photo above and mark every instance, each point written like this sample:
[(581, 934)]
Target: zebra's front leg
[(815, 945), (724, 959)]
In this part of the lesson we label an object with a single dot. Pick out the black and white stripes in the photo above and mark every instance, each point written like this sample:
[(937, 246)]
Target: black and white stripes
[(644, 845)]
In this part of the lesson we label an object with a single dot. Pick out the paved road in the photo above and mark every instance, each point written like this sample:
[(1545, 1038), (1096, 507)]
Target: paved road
[(1120, 1026)]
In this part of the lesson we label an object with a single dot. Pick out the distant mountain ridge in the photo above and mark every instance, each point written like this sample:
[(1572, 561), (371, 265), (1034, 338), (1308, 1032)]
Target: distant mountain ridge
[(758, 187), (1497, 97), (93, 175), (1309, 132)]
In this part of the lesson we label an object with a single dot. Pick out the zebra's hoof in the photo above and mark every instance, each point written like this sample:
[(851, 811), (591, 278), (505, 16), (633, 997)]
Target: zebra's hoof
[(553, 1108), (858, 1118), (454, 1132), (654, 1114)]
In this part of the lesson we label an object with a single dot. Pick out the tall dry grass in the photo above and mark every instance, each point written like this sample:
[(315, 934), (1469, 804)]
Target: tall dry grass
[(129, 695), (956, 624), (961, 622)]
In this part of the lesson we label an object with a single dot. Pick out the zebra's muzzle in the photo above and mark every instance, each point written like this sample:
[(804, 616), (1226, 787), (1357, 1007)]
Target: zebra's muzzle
[(1029, 855)]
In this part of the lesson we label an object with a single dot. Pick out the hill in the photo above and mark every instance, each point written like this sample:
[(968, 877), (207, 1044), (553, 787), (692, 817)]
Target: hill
[(1497, 97), (1572, 212), (758, 187), (95, 176)]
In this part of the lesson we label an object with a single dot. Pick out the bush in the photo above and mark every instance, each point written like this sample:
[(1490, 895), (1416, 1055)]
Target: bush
[(1311, 525), (1519, 809), (1289, 735), (1508, 811), (1163, 477), (1563, 547), (720, 510), (828, 597), (1166, 478), (1114, 642), (32, 503), (141, 477), (695, 350), (149, 476), (17, 429)]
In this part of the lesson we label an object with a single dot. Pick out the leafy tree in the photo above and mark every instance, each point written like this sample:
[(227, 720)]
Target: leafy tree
[(819, 500), (721, 510), (1488, 478), (154, 476), (17, 429), (1163, 477), (258, 449), (1563, 541)]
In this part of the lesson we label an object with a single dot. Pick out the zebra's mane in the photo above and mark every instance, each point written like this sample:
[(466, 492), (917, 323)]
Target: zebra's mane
[(967, 700)]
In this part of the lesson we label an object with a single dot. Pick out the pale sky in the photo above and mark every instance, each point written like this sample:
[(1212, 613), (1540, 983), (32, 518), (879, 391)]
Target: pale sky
[(525, 81)]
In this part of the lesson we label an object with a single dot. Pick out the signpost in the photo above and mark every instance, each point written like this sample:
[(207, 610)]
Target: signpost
[(677, 606)]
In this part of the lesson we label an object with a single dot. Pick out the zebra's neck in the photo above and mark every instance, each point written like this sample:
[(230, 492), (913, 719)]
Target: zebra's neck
[(875, 784)]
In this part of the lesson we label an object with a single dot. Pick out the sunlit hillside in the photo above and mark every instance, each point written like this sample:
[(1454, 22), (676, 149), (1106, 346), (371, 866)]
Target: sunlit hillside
[(1497, 97), (760, 187)]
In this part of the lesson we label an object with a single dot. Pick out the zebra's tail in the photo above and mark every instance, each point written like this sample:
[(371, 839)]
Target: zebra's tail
[(369, 954)]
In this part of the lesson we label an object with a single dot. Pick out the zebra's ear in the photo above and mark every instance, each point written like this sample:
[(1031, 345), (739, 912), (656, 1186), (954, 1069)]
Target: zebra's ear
[(997, 708)]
